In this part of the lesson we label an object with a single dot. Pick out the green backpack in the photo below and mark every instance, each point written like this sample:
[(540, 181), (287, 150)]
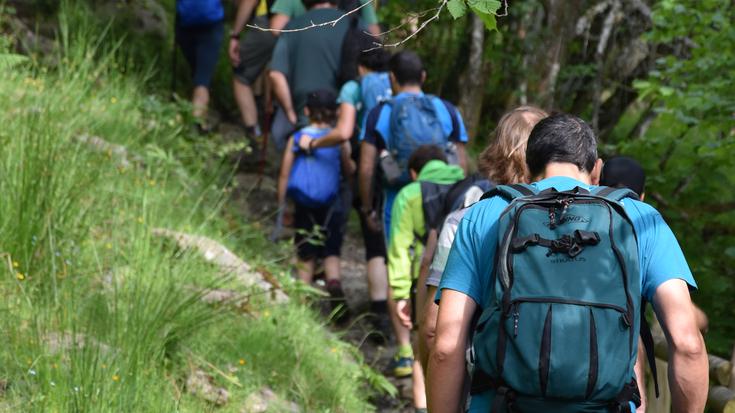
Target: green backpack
[(561, 331)]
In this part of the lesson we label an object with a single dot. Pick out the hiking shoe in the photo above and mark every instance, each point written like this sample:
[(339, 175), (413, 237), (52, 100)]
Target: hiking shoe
[(380, 329), (401, 366)]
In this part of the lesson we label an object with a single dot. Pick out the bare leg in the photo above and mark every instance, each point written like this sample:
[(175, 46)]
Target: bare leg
[(305, 270), (377, 279), (200, 101), (427, 327), (245, 102), (419, 387), (331, 268)]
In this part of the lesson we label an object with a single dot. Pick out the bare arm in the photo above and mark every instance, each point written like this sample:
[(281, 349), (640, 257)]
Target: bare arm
[(244, 11), (640, 375), (688, 366), (348, 165), (427, 326), (339, 134), (286, 164), (446, 365), (283, 94), (422, 294), (462, 156), (278, 22), (368, 154), (343, 131)]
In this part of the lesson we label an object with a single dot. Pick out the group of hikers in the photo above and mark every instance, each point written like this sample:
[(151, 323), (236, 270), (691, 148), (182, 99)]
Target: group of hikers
[(521, 287)]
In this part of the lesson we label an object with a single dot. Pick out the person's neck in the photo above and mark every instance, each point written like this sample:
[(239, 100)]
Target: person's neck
[(568, 170), (325, 5), (415, 89)]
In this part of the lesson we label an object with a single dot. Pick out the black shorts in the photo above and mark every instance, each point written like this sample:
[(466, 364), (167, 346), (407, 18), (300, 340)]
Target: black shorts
[(319, 231), (256, 48), (374, 241), (200, 45)]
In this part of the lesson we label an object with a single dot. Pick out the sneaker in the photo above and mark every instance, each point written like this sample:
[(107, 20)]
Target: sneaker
[(402, 366)]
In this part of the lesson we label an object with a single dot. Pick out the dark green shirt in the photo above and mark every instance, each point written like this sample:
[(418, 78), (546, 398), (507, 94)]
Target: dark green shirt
[(310, 58)]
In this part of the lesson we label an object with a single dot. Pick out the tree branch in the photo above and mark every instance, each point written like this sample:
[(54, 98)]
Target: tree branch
[(314, 25)]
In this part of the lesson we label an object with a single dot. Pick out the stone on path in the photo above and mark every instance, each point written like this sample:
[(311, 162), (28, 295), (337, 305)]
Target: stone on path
[(201, 384), (265, 400)]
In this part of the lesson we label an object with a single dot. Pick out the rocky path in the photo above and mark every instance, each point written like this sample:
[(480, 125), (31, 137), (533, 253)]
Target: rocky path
[(257, 203)]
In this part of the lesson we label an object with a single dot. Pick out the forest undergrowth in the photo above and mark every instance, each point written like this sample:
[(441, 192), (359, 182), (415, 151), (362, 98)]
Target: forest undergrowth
[(98, 314)]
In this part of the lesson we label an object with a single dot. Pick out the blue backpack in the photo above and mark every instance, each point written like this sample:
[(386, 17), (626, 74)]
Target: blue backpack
[(414, 122), (198, 12), (374, 89), (560, 333), (314, 180)]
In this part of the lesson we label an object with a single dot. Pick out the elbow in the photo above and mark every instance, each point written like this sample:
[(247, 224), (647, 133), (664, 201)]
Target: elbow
[(443, 350), (689, 345)]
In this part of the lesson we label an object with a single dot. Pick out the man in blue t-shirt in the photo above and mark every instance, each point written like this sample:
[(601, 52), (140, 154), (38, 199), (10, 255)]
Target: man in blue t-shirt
[(562, 153), (407, 76)]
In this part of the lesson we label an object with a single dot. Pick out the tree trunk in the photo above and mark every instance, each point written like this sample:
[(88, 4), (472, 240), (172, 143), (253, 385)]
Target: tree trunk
[(719, 370), (551, 53), (721, 400), (472, 82)]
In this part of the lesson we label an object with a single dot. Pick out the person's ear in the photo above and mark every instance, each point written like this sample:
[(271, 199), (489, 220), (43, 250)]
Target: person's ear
[(643, 197), (596, 172), (362, 70), (393, 82), (307, 112), (414, 174), (423, 76)]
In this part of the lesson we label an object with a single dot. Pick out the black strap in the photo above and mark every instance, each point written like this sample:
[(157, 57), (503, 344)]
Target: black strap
[(647, 339), (522, 188), (571, 244)]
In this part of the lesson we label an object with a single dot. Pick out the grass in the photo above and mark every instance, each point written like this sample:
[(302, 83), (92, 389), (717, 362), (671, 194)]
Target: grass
[(78, 262)]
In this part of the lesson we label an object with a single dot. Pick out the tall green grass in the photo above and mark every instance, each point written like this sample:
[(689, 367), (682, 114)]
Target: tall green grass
[(97, 314)]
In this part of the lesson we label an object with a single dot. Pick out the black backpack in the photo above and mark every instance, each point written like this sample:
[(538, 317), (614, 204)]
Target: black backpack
[(440, 200), (351, 44)]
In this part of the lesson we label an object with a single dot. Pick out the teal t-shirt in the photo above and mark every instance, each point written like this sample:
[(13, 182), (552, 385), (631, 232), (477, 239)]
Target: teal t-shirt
[(310, 59), (295, 8), (352, 95), (471, 259)]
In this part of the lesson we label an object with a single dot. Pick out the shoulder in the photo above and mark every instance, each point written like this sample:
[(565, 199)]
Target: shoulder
[(642, 215), (409, 193), (350, 92)]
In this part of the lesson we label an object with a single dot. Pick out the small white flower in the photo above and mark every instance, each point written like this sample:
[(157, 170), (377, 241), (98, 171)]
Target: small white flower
[(76, 389), (52, 384), (32, 372)]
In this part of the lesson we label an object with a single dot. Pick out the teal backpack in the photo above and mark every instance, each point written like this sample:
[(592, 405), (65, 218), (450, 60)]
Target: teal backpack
[(561, 331)]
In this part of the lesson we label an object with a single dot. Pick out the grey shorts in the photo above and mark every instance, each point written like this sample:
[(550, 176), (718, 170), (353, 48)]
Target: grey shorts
[(256, 48)]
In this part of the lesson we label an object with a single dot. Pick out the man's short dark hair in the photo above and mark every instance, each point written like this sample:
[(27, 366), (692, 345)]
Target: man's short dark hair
[(407, 68), (561, 138), (624, 172), (423, 155), (308, 4), (372, 57)]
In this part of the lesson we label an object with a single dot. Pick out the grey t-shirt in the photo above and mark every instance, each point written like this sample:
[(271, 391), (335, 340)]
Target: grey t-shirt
[(446, 237), (310, 58)]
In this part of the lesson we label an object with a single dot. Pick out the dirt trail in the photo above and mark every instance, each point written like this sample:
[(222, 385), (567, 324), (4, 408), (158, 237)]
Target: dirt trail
[(257, 203)]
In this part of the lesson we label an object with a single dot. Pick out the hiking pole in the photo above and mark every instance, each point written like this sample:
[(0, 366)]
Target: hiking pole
[(266, 132), (278, 229)]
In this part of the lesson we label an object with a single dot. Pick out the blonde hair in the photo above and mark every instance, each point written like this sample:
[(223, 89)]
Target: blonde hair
[(504, 160)]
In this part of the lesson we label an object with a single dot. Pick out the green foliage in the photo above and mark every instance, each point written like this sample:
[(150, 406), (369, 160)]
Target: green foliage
[(484, 9), (100, 315), (688, 150)]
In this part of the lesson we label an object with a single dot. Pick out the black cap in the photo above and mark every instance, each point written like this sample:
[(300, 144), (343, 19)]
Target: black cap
[(322, 99), (622, 171)]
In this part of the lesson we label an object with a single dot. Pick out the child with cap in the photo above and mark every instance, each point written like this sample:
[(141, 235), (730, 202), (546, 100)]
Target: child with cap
[(311, 180)]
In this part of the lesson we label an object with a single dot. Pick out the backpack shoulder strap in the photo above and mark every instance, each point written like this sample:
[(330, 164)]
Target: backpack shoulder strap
[(432, 202), (511, 192), (647, 339), (614, 194)]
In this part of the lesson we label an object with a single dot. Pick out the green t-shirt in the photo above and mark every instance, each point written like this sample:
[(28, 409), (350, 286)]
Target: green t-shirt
[(295, 8), (310, 59)]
